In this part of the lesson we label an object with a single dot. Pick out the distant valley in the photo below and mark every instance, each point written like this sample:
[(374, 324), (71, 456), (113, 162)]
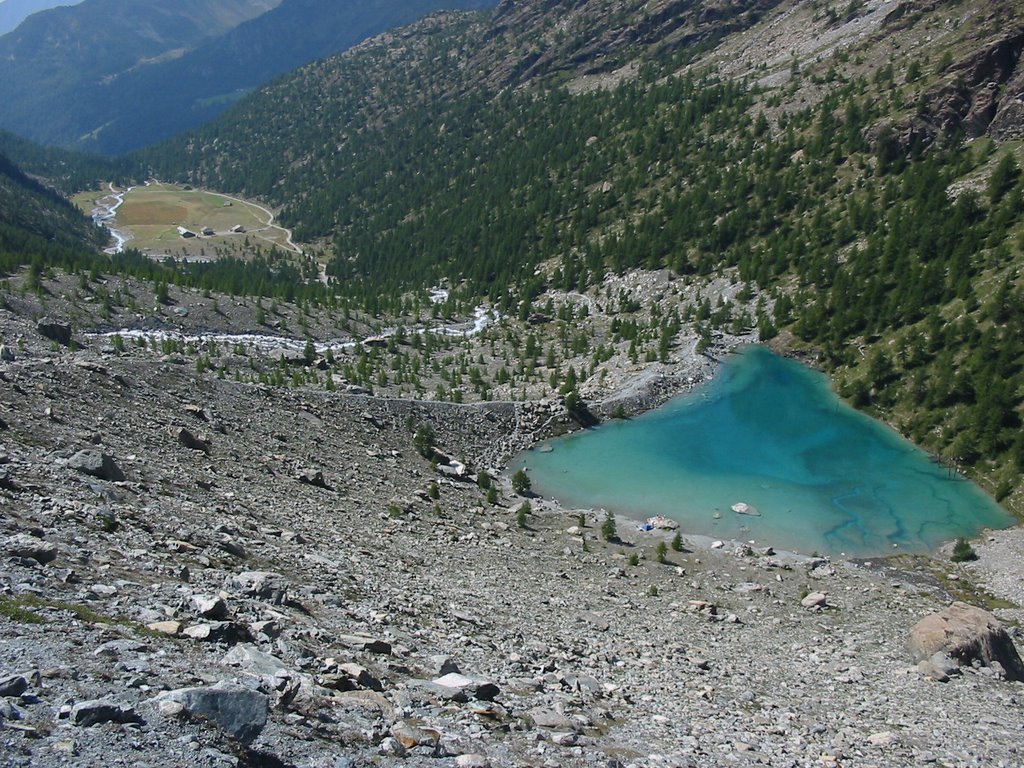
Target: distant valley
[(145, 73)]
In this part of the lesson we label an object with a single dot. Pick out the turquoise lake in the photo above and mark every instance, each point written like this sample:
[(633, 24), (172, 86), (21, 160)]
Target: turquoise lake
[(770, 433)]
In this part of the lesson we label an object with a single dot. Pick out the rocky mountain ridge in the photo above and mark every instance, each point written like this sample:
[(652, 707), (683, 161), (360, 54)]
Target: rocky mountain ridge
[(13, 12)]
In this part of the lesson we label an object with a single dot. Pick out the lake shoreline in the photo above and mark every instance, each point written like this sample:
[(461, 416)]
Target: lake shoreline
[(631, 533), (646, 391), (834, 480)]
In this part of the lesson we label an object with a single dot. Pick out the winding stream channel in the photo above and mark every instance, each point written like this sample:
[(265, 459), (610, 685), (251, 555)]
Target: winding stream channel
[(105, 211), (483, 318)]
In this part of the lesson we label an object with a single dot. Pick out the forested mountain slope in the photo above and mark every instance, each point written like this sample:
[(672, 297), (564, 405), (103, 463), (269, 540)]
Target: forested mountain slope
[(139, 99), (63, 169), (37, 225), (50, 64), (857, 163)]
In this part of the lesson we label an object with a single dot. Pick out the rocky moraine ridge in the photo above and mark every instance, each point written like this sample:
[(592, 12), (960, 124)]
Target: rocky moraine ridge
[(212, 573)]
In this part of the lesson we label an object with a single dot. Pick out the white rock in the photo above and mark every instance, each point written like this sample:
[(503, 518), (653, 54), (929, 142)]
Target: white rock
[(815, 600)]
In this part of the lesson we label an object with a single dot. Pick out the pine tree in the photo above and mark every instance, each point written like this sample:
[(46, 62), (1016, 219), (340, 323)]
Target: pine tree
[(662, 552), (608, 529)]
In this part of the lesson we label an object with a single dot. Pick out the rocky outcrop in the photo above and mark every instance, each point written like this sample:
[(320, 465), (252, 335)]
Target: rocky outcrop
[(89, 713), (600, 34), (1008, 121), (25, 546), (982, 94), (966, 634)]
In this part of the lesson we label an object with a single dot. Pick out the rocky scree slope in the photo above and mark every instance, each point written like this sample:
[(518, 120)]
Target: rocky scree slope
[(201, 572)]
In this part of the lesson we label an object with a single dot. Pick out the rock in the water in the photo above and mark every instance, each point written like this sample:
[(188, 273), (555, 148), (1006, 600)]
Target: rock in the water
[(23, 545), (87, 713), (238, 711), (54, 331), (95, 463), (965, 633)]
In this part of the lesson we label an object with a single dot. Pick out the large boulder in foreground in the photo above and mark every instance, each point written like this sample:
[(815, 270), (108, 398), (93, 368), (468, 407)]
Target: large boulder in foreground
[(54, 331), (239, 711), (92, 462), (965, 634)]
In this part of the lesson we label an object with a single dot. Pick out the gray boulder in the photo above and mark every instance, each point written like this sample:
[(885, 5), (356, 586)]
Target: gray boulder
[(95, 463), (216, 632), (263, 585), (238, 711), (459, 687), (815, 600), (191, 441), (13, 685), (543, 717), (23, 545), (365, 643), (441, 664), (313, 477), (88, 713), (210, 607), (965, 634), (258, 664), (54, 331)]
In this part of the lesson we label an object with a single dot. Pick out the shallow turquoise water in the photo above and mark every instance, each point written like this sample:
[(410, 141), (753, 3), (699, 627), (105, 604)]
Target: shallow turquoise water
[(768, 432)]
